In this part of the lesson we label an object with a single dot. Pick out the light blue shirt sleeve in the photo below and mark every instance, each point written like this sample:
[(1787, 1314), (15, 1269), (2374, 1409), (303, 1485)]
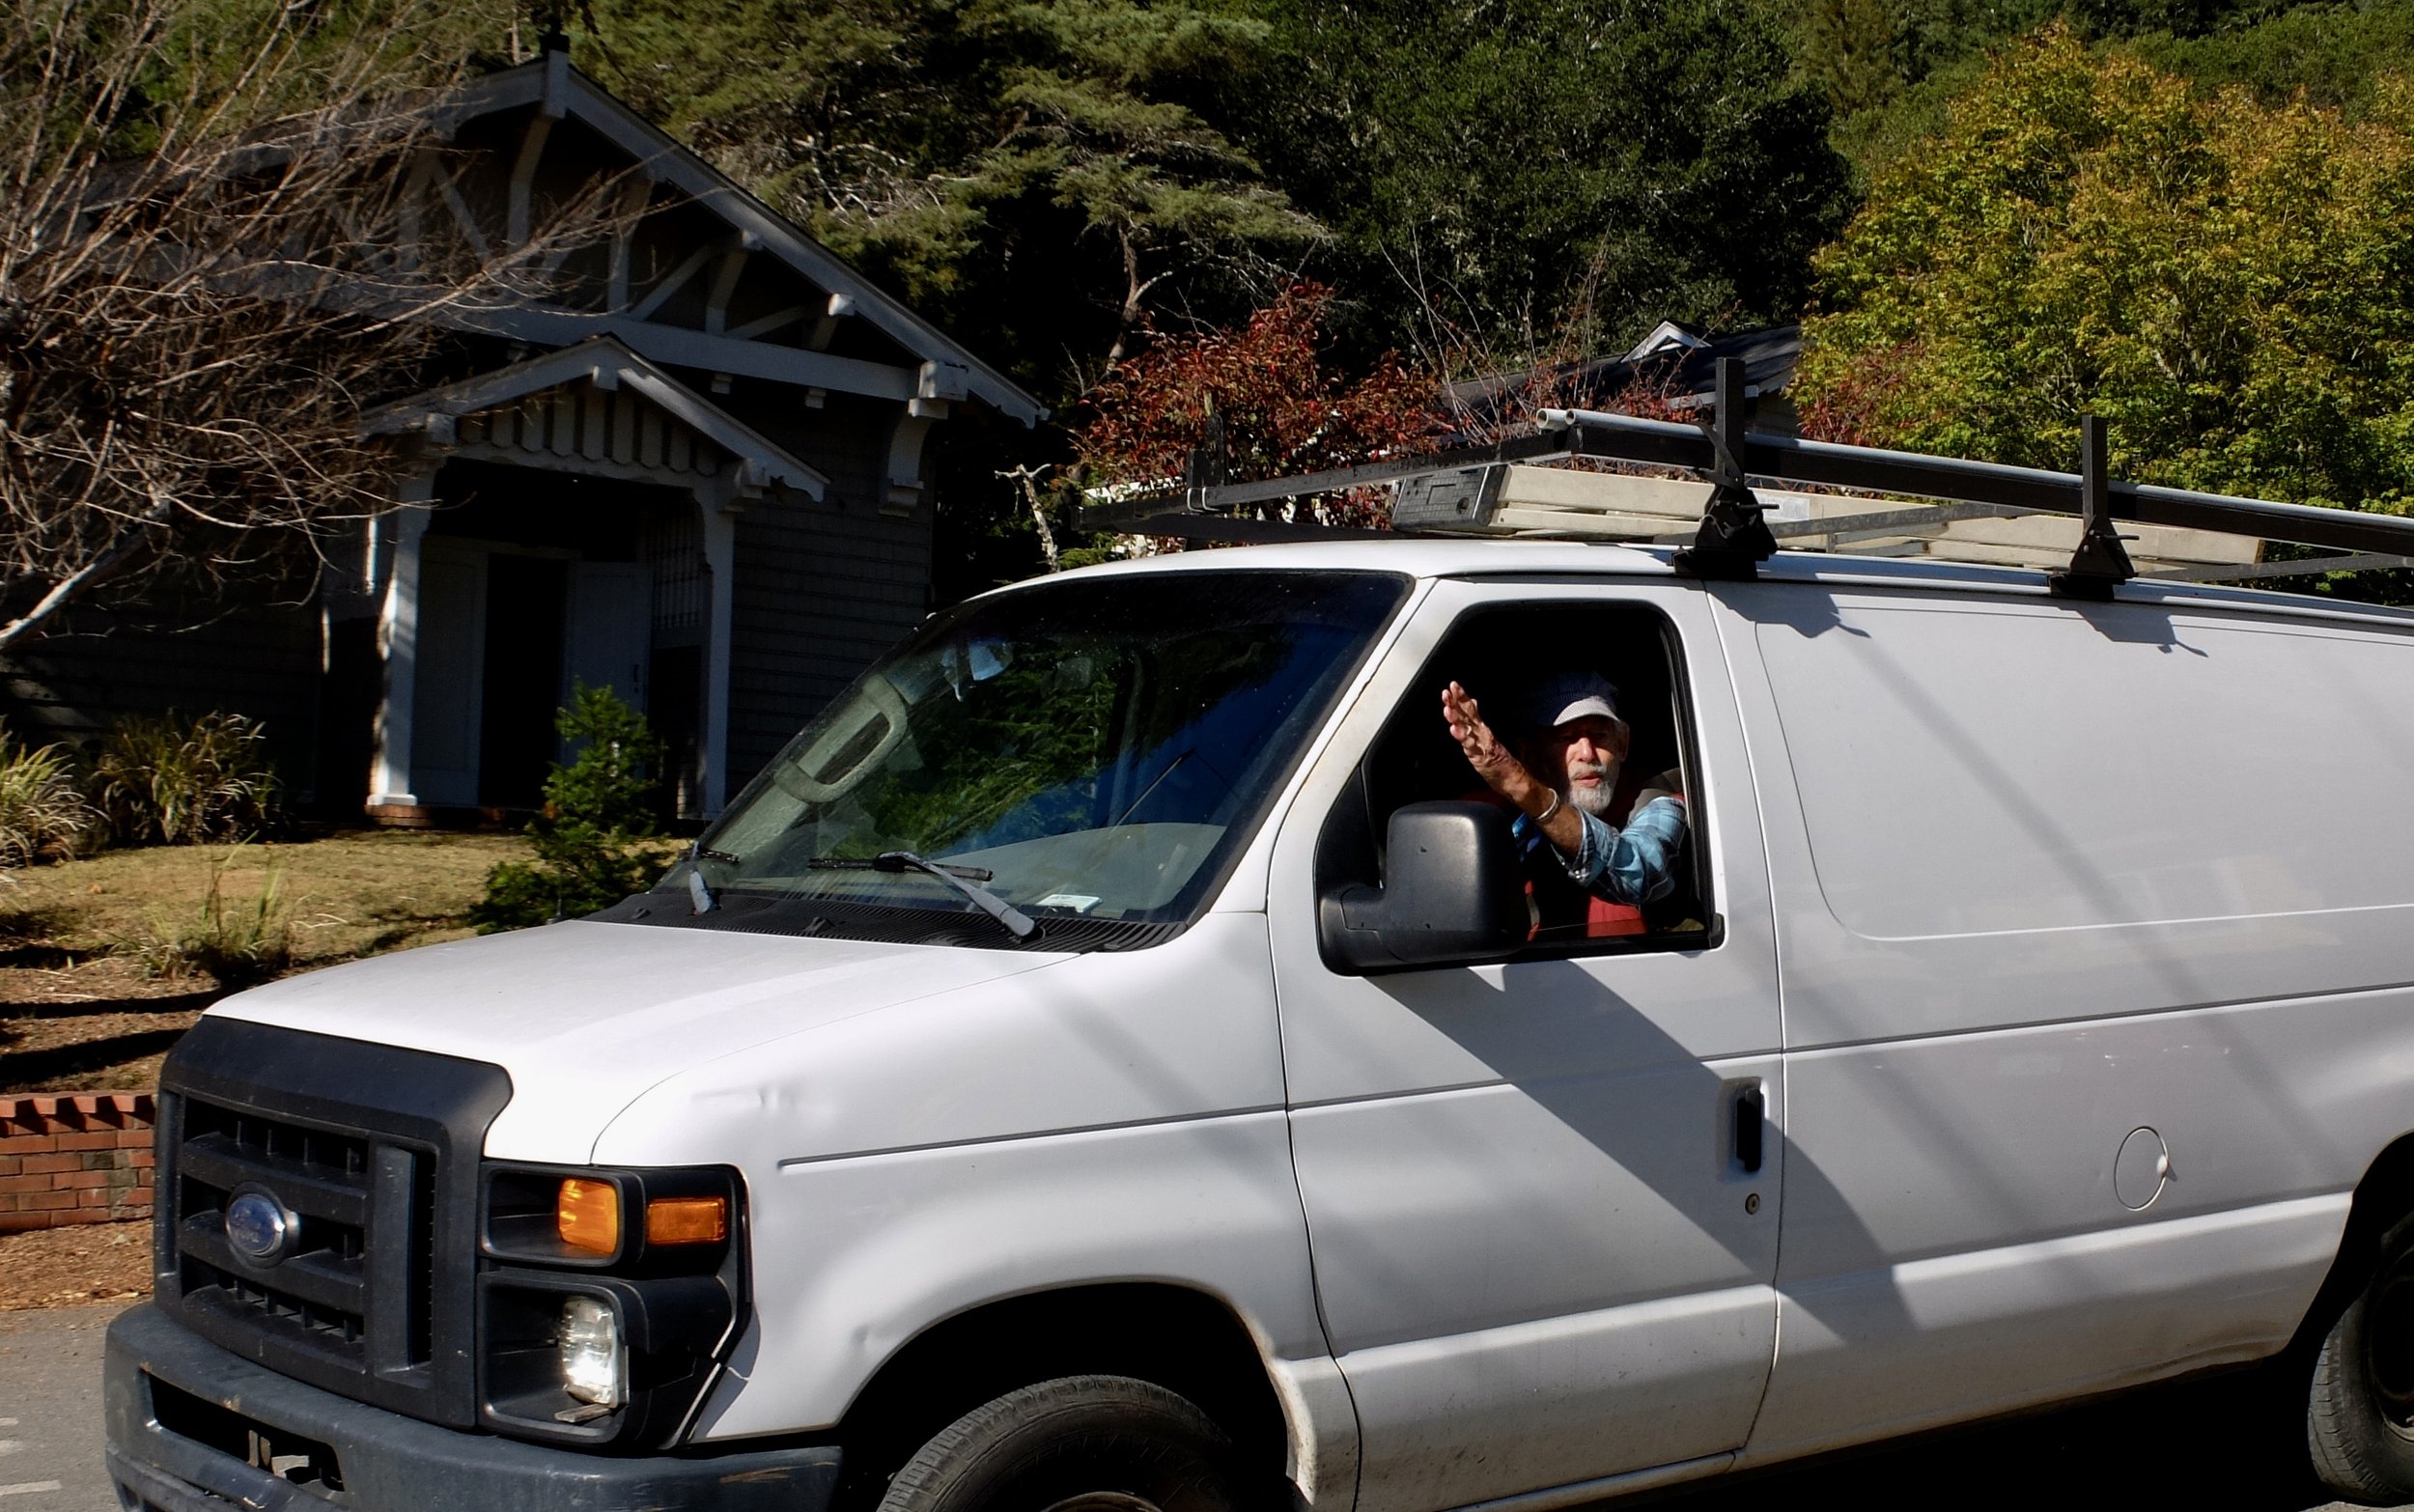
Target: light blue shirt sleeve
[(1635, 864)]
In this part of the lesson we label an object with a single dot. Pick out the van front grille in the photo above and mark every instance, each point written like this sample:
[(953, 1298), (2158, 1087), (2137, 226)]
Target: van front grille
[(317, 1293), (363, 1162)]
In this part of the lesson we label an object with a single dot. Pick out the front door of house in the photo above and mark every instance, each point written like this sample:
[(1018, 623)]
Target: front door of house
[(448, 687)]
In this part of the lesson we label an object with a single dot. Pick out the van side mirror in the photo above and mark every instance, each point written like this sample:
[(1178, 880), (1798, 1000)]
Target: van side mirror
[(1453, 891)]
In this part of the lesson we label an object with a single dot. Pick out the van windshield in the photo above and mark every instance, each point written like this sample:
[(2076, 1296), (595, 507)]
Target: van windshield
[(1092, 752)]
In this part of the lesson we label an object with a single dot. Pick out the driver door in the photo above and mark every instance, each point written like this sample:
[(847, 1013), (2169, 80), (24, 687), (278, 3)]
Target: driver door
[(1541, 1193)]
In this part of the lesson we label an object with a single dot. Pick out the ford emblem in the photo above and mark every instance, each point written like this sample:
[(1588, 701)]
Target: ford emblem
[(259, 1227)]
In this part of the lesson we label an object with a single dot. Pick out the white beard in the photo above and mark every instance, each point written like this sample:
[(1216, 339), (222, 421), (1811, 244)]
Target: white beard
[(1592, 799)]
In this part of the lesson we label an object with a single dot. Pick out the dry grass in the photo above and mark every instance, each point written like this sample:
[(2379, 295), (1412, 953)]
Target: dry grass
[(77, 1012), (352, 894)]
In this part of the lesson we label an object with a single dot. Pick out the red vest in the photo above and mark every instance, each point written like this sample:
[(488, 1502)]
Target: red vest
[(1556, 907)]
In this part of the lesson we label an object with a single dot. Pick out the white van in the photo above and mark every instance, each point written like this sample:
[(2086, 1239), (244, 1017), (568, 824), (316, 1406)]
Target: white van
[(2032, 1018)]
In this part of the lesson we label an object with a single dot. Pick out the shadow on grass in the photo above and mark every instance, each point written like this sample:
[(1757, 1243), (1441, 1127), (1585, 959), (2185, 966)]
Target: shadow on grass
[(42, 957), (21, 1068), (408, 934), (193, 1001)]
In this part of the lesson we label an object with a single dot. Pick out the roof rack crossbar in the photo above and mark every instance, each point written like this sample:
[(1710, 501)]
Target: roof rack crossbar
[(2037, 490), (1958, 484), (1224, 498)]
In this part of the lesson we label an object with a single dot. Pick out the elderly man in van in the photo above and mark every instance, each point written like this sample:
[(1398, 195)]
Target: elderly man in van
[(1596, 847)]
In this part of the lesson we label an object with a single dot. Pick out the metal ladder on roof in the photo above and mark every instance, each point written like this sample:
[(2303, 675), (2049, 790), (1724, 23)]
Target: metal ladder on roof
[(1725, 517)]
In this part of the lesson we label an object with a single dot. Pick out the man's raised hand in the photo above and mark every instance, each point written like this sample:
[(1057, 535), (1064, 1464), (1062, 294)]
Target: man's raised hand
[(1491, 759)]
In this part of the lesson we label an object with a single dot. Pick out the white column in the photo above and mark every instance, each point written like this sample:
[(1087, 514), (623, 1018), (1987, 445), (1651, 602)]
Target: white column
[(721, 556), (398, 641)]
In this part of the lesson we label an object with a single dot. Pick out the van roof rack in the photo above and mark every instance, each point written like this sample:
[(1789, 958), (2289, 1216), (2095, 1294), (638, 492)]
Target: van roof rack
[(1730, 520)]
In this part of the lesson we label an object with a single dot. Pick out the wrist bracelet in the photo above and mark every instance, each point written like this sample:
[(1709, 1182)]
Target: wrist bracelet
[(1544, 817)]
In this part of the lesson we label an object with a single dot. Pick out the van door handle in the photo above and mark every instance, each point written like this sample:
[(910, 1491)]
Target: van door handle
[(1750, 1126)]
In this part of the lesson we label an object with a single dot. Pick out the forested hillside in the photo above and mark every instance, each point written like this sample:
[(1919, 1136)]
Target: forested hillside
[(1891, 67), (2203, 235), (1481, 181), (2195, 216)]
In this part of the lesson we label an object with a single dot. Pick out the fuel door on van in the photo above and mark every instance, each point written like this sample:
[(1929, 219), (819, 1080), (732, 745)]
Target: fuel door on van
[(1542, 1189)]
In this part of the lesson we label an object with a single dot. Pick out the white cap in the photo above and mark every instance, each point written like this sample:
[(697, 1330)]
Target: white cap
[(1573, 695)]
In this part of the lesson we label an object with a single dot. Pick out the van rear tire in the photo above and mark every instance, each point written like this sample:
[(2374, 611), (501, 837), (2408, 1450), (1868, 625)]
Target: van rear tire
[(1081, 1444), (2359, 1420)]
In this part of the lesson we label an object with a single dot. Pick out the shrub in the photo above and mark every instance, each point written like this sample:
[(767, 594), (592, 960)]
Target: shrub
[(174, 781), (234, 943), (592, 837), (40, 807)]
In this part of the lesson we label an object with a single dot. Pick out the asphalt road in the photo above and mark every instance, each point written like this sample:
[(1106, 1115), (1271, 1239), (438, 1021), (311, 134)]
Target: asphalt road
[(2206, 1446), (51, 1410)]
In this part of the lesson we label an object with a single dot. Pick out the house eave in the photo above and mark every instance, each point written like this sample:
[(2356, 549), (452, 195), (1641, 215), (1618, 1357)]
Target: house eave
[(558, 89)]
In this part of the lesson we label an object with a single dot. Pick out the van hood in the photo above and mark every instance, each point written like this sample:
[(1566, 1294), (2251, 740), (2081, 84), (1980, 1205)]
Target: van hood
[(585, 1017)]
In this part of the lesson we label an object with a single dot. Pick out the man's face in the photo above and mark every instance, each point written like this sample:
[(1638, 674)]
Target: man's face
[(1584, 755)]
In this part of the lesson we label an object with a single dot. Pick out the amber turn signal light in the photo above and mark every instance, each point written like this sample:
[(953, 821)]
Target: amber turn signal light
[(687, 1220), (587, 1216)]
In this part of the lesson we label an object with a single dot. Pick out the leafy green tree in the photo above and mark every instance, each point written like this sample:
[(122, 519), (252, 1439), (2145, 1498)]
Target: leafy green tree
[(2227, 282), (2336, 55), (591, 836), (1891, 66), (1849, 47), (1528, 178), (1042, 177)]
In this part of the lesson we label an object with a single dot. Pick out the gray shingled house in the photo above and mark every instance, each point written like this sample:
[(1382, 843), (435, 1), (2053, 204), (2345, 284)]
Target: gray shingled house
[(703, 485)]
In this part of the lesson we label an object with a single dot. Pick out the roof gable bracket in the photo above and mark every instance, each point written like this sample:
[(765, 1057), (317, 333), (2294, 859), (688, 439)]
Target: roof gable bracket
[(609, 366)]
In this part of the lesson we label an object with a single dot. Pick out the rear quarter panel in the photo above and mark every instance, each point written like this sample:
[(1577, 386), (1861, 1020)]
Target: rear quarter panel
[(2048, 873)]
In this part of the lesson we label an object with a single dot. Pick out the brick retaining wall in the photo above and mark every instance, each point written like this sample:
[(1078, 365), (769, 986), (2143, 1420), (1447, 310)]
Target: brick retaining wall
[(74, 1157)]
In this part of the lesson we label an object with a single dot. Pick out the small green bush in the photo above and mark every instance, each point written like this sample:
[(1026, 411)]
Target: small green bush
[(235, 944), (592, 838), (175, 781), (41, 808)]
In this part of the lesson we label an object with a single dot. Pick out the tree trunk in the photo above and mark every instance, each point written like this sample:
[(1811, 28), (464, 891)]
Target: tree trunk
[(1135, 290)]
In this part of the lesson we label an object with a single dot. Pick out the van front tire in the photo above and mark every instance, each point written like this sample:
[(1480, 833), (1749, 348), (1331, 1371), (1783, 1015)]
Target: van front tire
[(2360, 1415), (1082, 1443)]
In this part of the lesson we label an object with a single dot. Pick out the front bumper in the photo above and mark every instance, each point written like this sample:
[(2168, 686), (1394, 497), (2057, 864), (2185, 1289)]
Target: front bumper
[(389, 1463)]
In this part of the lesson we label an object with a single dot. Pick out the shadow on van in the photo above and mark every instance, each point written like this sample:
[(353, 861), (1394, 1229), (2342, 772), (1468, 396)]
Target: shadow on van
[(1567, 1040)]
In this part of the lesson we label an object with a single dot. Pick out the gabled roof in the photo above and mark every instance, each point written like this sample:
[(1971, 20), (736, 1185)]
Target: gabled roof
[(608, 364), (562, 91)]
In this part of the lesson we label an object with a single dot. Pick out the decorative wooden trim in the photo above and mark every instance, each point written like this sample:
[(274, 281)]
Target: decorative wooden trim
[(561, 87), (597, 367)]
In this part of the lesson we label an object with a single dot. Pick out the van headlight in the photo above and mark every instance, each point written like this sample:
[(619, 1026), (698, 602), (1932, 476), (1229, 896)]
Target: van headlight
[(607, 1300), (594, 1367)]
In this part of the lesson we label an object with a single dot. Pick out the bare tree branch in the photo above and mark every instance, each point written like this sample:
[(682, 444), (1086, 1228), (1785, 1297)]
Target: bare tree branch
[(215, 253)]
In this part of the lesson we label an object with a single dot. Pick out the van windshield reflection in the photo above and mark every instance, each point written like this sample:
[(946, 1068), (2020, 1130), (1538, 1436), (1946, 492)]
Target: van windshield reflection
[(1094, 750)]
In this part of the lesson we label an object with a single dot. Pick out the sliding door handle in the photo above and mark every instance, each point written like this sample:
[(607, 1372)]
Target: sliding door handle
[(1751, 1125)]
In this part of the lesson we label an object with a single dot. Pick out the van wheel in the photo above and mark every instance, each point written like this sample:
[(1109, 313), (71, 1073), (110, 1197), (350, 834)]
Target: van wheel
[(2360, 1415), (1084, 1444)]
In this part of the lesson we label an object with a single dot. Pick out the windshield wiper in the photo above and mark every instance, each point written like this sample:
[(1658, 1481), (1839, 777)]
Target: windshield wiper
[(898, 862), (701, 898), (1013, 921)]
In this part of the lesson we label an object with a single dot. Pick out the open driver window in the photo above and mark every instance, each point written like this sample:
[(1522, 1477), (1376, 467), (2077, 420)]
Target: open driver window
[(1501, 655)]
